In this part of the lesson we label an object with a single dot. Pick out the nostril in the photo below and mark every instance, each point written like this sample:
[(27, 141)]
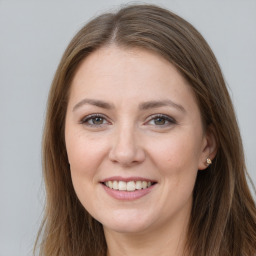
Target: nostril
[(126, 155)]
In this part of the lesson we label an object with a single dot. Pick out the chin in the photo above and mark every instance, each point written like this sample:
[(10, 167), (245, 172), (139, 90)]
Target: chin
[(128, 223), (125, 228)]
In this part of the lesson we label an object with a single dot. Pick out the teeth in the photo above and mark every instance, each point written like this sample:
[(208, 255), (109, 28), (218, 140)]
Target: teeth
[(122, 185), (144, 184), (115, 185), (110, 184), (128, 186), (138, 185)]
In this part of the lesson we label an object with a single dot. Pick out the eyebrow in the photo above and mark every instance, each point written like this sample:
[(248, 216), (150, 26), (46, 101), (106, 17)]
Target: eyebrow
[(161, 103), (97, 103), (142, 106)]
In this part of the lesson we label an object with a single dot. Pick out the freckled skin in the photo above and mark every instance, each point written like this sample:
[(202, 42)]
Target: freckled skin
[(129, 143)]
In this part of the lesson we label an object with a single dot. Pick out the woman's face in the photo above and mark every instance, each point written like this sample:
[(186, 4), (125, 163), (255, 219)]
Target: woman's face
[(134, 140)]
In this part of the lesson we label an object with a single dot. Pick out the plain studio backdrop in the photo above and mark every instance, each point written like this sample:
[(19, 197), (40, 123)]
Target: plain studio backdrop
[(33, 36)]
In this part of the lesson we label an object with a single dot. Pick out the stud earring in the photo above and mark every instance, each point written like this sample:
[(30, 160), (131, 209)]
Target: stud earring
[(208, 161)]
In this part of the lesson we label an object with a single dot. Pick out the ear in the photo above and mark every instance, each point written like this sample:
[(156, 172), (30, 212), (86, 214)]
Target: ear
[(209, 148)]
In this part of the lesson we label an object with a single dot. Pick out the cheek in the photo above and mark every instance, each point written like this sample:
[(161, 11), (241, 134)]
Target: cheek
[(176, 154), (84, 162), (80, 167), (85, 156), (84, 153), (177, 162)]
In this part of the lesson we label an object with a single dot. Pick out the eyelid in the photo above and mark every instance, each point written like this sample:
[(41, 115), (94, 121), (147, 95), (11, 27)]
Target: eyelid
[(168, 118), (85, 119)]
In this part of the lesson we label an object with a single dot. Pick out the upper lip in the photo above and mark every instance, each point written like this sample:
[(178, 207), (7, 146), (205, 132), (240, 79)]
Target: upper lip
[(127, 179)]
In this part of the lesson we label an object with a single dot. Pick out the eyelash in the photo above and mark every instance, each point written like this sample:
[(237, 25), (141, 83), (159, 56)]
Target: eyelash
[(91, 117), (166, 118)]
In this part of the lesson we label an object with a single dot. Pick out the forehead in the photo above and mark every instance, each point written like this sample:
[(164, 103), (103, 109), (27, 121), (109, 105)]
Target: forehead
[(121, 74)]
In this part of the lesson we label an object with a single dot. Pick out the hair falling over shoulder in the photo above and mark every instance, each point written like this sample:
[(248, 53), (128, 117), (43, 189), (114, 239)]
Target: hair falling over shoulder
[(223, 217)]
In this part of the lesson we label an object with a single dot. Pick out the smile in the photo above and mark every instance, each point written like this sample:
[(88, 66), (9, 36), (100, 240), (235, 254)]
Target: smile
[(128, 186)]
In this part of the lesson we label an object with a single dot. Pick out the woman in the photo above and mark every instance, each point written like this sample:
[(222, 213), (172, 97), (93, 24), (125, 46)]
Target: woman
[(142, 152)]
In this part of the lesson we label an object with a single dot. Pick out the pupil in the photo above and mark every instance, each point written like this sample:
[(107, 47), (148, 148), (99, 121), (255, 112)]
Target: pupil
[(97, 120), (159, 121)]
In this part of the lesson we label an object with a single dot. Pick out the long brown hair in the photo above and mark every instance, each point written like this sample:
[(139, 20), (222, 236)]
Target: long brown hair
[(223, 217)]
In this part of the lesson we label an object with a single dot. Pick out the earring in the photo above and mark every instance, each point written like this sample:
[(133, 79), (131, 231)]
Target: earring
[(208, 161)]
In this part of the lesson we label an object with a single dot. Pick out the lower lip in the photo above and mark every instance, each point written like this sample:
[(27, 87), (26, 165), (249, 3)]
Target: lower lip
[(127, 195)]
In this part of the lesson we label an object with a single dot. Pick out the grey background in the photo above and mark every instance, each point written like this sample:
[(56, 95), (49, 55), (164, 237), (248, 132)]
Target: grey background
[(33, 36)]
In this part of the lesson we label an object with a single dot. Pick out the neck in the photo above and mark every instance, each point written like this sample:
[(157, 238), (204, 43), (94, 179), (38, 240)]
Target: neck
[(165, 241)]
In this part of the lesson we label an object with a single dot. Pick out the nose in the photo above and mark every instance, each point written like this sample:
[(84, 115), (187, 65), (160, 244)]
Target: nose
[(126, 149)]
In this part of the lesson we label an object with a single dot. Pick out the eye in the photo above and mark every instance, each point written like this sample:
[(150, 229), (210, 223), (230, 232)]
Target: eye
[(161, 120), (96, 120)]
